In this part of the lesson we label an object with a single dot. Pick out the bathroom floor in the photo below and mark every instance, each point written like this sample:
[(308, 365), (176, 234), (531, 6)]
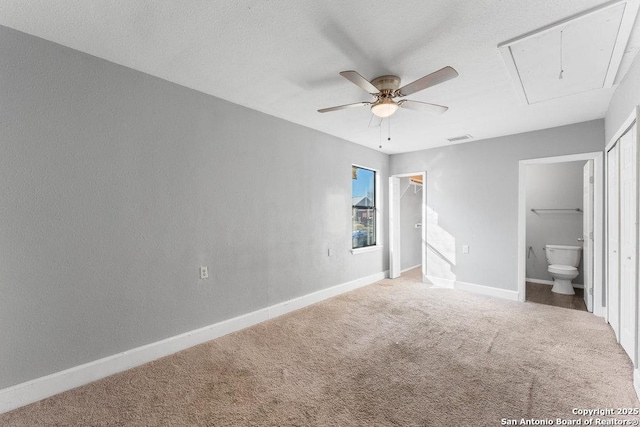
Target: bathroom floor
[(541, 294)]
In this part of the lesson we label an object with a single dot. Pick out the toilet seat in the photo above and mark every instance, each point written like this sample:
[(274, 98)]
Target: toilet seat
[(562, 269)]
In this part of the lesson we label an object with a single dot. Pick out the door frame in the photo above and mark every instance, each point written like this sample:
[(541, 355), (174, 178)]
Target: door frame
[(587, 223), (614, 321), (598, 211), (395, 255)]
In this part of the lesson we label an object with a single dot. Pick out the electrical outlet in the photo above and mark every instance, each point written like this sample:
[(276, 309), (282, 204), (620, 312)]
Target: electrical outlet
[(204, 272), (330, 252), (465, 249)]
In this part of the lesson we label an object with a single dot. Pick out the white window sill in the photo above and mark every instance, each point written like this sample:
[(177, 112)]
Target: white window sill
[(366, 249)]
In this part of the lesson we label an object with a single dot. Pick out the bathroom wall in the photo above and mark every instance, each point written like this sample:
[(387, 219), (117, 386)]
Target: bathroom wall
[(553, 186), (410, 215)]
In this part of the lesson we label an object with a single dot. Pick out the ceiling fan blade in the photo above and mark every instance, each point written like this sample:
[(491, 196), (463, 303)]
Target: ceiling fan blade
[(423, 106), (360, 81), (375, 121), (343, 107), (435, 78)]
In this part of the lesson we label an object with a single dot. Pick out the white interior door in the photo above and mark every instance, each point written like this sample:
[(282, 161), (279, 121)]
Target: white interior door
[(587, 233), (613, 242), (394, 227), (628, 239)]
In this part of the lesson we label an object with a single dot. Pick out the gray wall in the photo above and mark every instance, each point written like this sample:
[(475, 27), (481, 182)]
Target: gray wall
[(624, 100), (557, 185), (473, 189), (115, 187), (410, 215)]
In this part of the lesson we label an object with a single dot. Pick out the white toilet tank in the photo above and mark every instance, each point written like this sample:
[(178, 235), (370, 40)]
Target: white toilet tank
[(563, 255)]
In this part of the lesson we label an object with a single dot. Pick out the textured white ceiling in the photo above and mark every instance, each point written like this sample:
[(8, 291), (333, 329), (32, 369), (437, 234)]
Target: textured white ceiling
[(581, 48), (282, 57)]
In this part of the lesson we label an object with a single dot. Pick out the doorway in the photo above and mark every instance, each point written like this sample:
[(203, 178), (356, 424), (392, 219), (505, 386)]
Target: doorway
[(559, 199), (413, 184), (589, 214)]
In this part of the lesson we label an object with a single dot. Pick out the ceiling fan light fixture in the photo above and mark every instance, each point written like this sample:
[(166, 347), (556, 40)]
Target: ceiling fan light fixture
[(384, 107)]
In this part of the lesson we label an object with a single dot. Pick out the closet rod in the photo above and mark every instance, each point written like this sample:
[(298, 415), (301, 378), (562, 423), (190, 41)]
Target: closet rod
[(563, 209)]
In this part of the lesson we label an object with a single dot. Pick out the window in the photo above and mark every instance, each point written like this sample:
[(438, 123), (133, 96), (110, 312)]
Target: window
[(363, 207)]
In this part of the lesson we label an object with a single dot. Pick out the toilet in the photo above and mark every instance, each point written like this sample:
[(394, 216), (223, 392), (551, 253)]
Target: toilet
[(563, 267)]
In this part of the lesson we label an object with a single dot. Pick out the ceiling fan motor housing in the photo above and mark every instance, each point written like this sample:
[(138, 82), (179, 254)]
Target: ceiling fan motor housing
[(386, 83)]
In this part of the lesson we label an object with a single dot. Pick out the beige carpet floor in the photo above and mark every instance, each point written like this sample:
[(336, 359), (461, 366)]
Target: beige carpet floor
[(396, 353)]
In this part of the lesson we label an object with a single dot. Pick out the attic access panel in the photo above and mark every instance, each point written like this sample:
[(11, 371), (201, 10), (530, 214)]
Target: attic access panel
[(587, 48)]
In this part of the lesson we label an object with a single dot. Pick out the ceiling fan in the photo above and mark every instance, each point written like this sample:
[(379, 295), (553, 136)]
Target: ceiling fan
[(387, 88)]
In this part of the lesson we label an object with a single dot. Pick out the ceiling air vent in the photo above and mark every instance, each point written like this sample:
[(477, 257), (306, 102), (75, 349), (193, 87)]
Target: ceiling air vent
[(460, 138)]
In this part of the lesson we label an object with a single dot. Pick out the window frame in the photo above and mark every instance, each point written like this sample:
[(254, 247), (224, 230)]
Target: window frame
[(377, 212)]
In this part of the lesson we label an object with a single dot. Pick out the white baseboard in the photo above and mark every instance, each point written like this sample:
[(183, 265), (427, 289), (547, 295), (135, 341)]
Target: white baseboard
[(40, 388), (440, 282), (312, 298), (550, 282), (636, 382), (487, 290), (411, 268)]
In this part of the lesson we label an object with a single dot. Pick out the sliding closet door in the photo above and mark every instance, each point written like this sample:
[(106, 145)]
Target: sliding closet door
[(613, 233), (628, 239)]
